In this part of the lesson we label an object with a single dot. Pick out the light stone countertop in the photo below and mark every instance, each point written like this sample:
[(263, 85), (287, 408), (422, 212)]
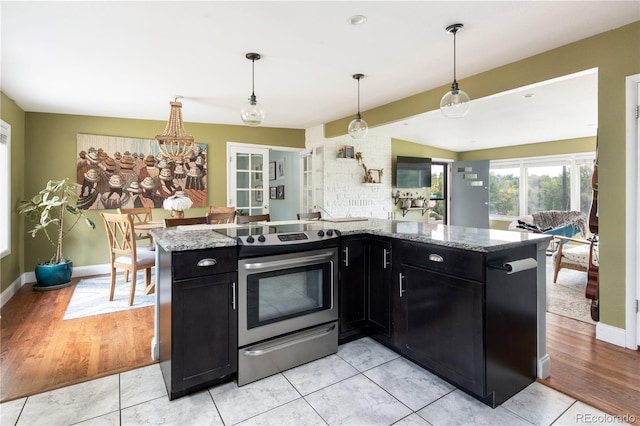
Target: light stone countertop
[(474, 239)]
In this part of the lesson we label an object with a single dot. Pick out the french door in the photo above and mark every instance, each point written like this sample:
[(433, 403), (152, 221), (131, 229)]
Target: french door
[(247, 177)]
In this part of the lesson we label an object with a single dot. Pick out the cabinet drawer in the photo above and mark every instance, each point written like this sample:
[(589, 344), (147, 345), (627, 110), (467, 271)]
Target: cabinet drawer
[(450, 261), (197, 263)]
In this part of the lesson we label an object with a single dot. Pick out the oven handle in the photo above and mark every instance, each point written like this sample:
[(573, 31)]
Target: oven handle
[(302, 261), (263, 350)]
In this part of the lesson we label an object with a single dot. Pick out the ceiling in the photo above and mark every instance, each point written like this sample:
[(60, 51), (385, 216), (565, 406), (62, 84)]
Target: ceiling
[(129, 59)]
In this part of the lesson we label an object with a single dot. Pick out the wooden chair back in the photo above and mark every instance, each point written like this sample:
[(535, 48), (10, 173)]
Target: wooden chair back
[(217, 218), (254, 218), (220, 214), (139, 215), (125, 254), (169, 223), (310, 216)]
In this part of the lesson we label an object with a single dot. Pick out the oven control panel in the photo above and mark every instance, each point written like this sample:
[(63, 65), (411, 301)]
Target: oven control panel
[(293, 237), (279, 239)]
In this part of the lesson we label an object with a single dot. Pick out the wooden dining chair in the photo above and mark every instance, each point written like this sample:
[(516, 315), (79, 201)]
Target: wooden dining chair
[(254, 218), (310, 216), (140, 215), (169, 223), (219, 215), (125, 254)]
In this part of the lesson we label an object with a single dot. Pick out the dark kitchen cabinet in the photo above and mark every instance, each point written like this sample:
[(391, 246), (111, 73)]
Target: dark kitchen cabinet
[(197, 318), (462, 316), (443, 323), (353, 288), (379, 282)]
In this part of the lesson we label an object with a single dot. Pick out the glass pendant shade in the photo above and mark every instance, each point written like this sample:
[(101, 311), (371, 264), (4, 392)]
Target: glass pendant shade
[(455, 103), (358, 128), (252, 113)]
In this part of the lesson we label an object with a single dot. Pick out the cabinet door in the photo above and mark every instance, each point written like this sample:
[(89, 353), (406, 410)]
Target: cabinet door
[(444, 325), (352, 288), (205, 330), (379, 294)]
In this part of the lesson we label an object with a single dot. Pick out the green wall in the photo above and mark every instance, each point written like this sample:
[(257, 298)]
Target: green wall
[(50, 142), (616, 55), (11, 266), (567, 146)]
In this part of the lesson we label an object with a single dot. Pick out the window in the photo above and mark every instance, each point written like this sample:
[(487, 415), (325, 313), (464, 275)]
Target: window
[(523, 186), (307, 180), (5, 191), (438, 192)]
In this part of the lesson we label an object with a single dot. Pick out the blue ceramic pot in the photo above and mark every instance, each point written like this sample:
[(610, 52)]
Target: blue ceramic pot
[(53, 275)]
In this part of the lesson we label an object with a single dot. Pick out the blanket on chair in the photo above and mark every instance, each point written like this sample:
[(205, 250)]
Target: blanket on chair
[(557, 218)]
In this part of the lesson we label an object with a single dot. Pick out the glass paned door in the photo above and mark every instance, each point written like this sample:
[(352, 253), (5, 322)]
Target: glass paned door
[(248, 174)]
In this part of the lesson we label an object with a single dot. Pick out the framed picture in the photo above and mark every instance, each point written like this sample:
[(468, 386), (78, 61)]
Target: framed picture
[(348, 152), (257, 195), (280, 168), (272, 170), (272, 193), (280, 192)]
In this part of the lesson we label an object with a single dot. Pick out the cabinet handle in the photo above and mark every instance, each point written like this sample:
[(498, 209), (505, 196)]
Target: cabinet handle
[(233, 296), (346, 256), (207, 262), (400, 278), (386, 262), (436, 258)]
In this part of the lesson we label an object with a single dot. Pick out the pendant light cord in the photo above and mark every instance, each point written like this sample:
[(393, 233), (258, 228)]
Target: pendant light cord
[(253, 77), (359, 116)]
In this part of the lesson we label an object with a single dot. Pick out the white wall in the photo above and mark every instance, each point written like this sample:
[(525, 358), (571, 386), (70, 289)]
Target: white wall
[(343, 192)]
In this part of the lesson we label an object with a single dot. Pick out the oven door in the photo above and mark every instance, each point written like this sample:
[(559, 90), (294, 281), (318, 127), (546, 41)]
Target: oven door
[(285, 293)]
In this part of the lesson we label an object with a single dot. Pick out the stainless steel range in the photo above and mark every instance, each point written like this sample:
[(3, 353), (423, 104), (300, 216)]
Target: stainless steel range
[(287, 297)]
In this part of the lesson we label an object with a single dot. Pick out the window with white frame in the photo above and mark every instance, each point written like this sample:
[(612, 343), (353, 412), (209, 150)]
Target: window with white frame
[(519, 187), (5, 191)]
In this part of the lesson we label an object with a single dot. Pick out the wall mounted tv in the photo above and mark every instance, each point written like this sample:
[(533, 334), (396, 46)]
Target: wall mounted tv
[(413, 172)]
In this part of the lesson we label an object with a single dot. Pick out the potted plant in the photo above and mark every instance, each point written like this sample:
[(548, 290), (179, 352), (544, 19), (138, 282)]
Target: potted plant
[(418, 201), (48, 209)]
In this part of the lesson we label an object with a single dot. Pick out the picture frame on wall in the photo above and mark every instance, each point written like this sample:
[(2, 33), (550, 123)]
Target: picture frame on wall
[(280, 192), (280, 169), (257, 195), (272, 192), (272, 170), (349, 152)]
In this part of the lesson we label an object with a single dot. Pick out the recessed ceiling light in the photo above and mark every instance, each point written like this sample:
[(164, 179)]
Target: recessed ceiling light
[(529, 96), (357, 19)]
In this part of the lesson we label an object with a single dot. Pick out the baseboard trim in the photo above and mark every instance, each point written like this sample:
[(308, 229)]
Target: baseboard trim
[(610, 334), (30, 277), (10, 291)]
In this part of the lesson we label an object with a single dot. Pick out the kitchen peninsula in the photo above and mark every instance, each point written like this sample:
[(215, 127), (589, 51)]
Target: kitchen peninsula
[(466, 303)]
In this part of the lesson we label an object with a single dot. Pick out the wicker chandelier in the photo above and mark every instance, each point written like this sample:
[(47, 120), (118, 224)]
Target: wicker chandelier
[(175, 143)]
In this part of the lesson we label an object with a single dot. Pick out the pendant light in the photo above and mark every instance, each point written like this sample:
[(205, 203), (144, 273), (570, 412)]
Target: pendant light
[(252, 113), (175, 143), (358, 128), (455, 103)]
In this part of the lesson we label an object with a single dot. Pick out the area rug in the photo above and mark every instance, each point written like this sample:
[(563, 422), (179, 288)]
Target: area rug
[(566, 296), (91, 296)]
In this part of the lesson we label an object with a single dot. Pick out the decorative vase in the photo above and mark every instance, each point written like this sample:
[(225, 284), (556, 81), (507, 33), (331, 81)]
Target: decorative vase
[(50, 277), (418, 203), (406, 203)]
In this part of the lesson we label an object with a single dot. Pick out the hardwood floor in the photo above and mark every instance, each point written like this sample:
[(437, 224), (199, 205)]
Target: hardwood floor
[(41, 352), (592, 371)]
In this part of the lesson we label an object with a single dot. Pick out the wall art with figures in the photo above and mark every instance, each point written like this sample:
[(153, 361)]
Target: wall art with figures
[(121, 172)]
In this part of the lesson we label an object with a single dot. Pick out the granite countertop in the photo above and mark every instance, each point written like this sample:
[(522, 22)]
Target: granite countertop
[(474, 239)]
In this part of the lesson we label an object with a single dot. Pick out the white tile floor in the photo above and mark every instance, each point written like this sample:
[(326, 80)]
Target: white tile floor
[(364, 384)]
